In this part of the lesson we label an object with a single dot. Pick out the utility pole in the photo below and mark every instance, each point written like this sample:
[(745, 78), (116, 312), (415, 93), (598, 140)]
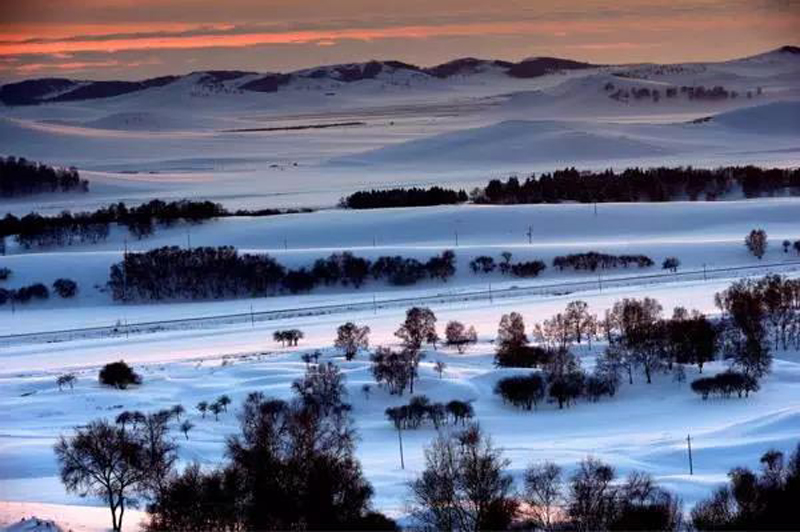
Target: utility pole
[(456, 232), (704, 272), (125, 272), (689, 446), (400, 439), (252, 318), (530, 234)]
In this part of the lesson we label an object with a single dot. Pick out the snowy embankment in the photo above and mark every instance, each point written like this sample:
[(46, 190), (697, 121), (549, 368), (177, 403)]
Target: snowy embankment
[(702, 234), (644, 427)]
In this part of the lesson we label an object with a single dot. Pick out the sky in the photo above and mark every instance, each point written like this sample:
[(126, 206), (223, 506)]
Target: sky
[(136, 39)]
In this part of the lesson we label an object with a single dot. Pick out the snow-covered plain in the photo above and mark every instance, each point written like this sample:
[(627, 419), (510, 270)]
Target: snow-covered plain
[(169, 142)]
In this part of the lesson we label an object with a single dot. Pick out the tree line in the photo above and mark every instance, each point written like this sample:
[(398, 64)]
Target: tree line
[(589, 186), (636, 184), (403, 197), (466, 486), (65, 288), (20, 177), (592, 260), (67, 228), (219, 272)]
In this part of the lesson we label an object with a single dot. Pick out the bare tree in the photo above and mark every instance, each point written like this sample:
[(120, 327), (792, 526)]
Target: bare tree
[(756, 242), (185, 427), (224, 401), (202, 407), (543, 494), (177, 411), (464, 486), (116, 464), (350, 338), (439, 366), (66, 380), (459, 336), (418, 328)]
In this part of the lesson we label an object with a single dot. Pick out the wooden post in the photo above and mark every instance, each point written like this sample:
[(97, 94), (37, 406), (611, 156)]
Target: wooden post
[(689, 446)]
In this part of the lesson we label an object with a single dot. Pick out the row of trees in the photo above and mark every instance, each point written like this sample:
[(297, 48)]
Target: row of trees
[(725, 384), (219, 272), (65, 288), (563, 385), (487, 264), (35, 230), (420, 410), (403, 197), (637, 184), (592, 260), (465, 486), (20, 177)]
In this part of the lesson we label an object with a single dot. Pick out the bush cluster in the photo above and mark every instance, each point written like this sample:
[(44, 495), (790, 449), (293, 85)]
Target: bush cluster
[(24, 294), (725, 384)]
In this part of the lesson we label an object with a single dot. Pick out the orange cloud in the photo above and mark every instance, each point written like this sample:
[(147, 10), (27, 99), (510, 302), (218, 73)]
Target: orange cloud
[(236, 40)]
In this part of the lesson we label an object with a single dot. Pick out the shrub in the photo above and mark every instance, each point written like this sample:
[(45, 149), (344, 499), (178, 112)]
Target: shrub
[(521, 391), (5, 273), (671, 263), (528, 269), (26, 293), (725, 384), (482, 264), (65, 288), (119, 375)]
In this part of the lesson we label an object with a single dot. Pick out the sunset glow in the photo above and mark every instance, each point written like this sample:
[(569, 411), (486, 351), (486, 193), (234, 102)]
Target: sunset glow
[(138, 39)]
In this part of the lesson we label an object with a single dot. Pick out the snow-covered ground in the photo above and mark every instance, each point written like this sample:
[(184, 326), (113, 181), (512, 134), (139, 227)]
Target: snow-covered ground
[(176, 140), (169, 142)]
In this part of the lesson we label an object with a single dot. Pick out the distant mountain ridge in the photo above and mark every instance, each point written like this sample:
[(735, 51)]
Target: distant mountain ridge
[(46, 90)]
